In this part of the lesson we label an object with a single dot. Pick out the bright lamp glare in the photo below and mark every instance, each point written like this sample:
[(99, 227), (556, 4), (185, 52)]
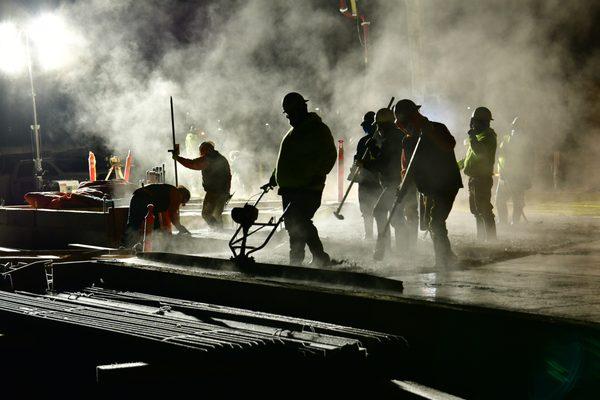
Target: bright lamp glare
[(54, 41), (12, 51)]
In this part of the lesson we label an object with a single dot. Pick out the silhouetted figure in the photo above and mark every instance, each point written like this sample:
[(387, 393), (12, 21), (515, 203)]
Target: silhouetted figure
[(479, 167), (216, 181), (165, 198), (369, 188), (386, 157), (435, 173), (515, 166), (306, 155)]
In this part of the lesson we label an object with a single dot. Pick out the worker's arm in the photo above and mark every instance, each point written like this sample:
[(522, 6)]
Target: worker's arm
[(197, 164), (481, 143), (404, 162), (271, 184), (174, 215), (173, 211)]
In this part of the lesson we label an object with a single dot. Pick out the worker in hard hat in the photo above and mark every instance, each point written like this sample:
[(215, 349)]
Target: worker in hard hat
[(306, 155), (478, 165), (386, 160), (434, 170), (216, 181), (515, 165), (165, 198), (369, 187)]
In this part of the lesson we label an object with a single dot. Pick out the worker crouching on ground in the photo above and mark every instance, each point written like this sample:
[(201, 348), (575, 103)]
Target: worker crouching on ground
[(479, 167), (216, 181), (369, 187), (306, 155), (386, 155), (165, 198), (515, 166), (434, 170)]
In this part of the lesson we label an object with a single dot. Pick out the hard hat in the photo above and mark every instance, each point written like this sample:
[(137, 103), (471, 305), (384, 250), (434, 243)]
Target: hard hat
[(482, 114), (206, 144), (368, 118), (406, 107), (292, 100), (384, 115)]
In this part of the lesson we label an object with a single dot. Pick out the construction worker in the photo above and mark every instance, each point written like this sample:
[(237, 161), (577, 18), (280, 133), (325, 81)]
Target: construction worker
[(479, 167), (216, 181), (369, 187), (515, 163), (386, 156), (434, 171), (165, 198), (306, 155)]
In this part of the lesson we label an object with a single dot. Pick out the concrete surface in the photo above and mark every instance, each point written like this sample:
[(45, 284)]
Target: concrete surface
[(552, 284), (549, 266)]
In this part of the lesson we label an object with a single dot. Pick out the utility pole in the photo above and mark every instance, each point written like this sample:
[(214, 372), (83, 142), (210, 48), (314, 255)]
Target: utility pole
[(38, 171)]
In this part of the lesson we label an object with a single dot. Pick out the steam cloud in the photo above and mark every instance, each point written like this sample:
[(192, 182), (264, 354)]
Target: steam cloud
[(231, 65)]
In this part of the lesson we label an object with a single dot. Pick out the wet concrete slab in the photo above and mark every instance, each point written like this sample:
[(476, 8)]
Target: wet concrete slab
[(563, 284)]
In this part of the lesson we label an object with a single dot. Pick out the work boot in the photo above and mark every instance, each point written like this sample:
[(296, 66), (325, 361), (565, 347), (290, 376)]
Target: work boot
[(444, 256), (381, 247), (296, 258), (324, 261)]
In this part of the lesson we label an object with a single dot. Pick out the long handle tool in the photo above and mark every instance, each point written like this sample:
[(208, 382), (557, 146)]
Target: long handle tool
[(355, 174), (403, 185), (175, 146)]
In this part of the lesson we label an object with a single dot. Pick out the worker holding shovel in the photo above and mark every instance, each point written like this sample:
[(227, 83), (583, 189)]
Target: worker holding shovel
[(428, 159)]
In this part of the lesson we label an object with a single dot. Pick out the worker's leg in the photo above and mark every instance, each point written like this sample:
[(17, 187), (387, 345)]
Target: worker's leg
[(484, 205), (441, 205), (293, 226), (473, 207), (208, 208), (381, 214), (367, 196), (480, 195), (312, 202), (219, 206), (502, 196), (138, 208), (518, 204), (407, 232)]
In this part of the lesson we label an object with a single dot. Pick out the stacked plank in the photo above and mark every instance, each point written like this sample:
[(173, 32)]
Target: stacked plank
[(174, 333)]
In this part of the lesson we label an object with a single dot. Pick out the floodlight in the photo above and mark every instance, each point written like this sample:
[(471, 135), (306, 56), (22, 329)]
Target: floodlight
[(54, 42)]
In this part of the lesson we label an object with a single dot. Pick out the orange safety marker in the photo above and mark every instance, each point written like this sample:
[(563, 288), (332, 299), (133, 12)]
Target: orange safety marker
[(92, 166), (148, 228), (128, 162)]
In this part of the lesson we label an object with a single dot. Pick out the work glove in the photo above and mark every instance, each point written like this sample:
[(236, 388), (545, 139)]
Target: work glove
[(269, 185), (175, 152), (266, 187)]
